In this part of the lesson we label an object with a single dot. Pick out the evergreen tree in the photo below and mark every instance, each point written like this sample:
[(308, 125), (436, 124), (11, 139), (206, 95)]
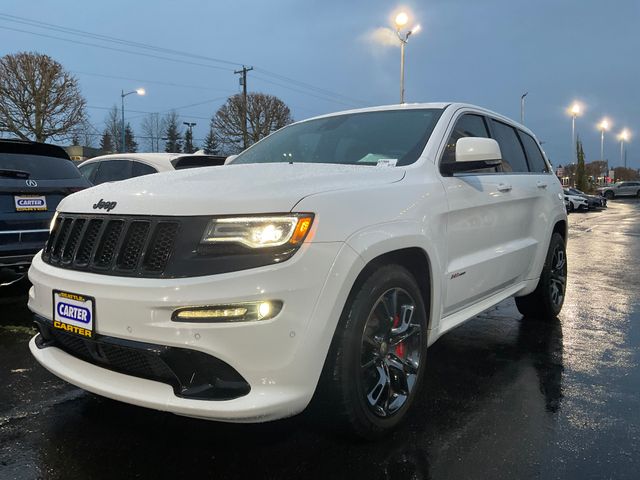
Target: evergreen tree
[(172, 133), (130, 144), (106, 142), (211, 146), (581, 173)]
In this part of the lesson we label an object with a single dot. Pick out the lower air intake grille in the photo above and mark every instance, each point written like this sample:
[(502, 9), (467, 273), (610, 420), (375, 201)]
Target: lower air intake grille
[(191, 373)]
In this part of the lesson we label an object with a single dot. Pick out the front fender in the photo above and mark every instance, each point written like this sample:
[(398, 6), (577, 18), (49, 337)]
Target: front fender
[(377, 240)]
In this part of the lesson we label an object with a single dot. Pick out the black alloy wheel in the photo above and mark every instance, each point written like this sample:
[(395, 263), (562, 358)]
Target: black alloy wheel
[(546, 301), (376, 362), (390, 352)]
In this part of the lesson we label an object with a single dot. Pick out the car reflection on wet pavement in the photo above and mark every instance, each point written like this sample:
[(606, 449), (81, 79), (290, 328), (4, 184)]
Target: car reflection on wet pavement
[(504, 397)]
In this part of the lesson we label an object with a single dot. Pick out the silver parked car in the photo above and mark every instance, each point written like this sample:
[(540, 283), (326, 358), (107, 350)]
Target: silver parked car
[(620, 189)]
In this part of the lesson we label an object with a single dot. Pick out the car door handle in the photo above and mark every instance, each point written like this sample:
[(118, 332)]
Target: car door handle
[(542, 185), (504, 187)]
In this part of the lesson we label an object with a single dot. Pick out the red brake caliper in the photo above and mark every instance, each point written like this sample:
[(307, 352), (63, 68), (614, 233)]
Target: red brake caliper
[(400, 347)]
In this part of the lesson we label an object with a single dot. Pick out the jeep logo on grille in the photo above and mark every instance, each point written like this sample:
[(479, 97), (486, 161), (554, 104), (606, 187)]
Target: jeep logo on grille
[(102, 205)]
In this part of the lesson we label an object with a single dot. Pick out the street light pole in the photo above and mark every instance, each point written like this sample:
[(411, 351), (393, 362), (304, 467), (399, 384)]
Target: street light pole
[(402, 45), (139, 91), (522, 107), (624, 136), (604, 125), (122, 95), (401, 20)]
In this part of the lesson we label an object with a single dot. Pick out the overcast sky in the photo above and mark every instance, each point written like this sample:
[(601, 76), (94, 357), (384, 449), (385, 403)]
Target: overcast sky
[(485, 52)]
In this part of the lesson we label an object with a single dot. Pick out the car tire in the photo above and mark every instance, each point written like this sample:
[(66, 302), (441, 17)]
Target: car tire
[(545, 302), (369, 382), (609, 195), (638, 194), (570, 208)]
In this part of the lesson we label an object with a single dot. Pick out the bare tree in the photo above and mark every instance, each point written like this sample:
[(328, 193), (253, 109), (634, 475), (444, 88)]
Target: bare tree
[(39, 100), (265, 115), (622, 173), (153, 129), (85, 134), (113, 126)]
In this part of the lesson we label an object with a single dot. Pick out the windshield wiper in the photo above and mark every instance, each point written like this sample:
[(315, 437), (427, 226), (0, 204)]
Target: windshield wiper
[(14, 173)]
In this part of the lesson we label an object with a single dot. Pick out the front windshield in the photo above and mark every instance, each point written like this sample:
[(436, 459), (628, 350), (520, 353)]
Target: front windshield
[(390, 137)]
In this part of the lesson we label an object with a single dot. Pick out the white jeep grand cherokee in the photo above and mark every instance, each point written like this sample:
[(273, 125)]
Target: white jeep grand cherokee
[(321, 261)]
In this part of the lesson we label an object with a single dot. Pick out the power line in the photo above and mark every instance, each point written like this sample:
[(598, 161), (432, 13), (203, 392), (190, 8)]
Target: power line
[(309, 86), (106, 38), (349, 104), (146, 81), (181, 107), (76, 42)]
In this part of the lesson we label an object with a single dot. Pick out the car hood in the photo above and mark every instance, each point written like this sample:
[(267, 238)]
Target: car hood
[(230, 189)]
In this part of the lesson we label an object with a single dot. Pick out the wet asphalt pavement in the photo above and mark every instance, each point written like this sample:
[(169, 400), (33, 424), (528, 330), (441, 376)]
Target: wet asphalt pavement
[(504, 398)]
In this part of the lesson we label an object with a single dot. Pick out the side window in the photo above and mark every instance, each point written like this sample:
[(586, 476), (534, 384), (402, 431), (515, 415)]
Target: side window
[(513, 159), (534, 155), (466, 126), (138, 169), (112, 171), (88, 171)]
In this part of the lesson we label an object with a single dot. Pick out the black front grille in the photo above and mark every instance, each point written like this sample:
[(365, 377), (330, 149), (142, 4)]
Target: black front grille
[(192, 374), (128, 246)]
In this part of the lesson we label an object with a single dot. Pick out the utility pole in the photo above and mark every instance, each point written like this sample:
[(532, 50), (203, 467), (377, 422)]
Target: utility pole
[(243, 82)]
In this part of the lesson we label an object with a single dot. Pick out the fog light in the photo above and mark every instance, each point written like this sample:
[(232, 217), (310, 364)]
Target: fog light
[(242, 312)]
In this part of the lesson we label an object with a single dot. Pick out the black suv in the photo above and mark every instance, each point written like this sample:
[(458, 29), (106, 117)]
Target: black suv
[(34, 177)]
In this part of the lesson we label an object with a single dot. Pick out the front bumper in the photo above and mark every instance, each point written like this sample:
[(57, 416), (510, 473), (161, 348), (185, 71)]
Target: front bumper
[(281, 358)]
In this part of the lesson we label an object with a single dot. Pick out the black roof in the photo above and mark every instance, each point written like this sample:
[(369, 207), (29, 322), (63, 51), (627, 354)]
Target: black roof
[(26, 147)]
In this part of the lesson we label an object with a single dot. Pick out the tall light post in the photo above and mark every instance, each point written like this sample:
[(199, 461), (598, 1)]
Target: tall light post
[(401, 21), (574, 111), (623, 137), (603, 126), (522, 107), (139, 91)]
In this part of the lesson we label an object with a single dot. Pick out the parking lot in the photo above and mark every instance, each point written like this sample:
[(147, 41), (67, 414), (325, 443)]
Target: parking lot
[(504, 398)]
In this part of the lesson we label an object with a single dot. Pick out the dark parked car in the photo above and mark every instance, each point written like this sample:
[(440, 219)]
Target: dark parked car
[(34, 177), (593, 201)]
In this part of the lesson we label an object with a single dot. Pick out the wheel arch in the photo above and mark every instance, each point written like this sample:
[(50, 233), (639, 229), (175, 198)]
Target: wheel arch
[(561, 228), (416, 261)]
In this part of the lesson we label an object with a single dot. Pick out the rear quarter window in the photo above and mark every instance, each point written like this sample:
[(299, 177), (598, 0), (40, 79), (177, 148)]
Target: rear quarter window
[(139, 169)]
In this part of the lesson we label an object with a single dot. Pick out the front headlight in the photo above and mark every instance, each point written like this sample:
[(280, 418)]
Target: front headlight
[(259, 231)]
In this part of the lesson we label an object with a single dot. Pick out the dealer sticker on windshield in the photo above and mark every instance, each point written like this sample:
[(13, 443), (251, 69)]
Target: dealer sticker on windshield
[(73, 313), (30, 203)]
